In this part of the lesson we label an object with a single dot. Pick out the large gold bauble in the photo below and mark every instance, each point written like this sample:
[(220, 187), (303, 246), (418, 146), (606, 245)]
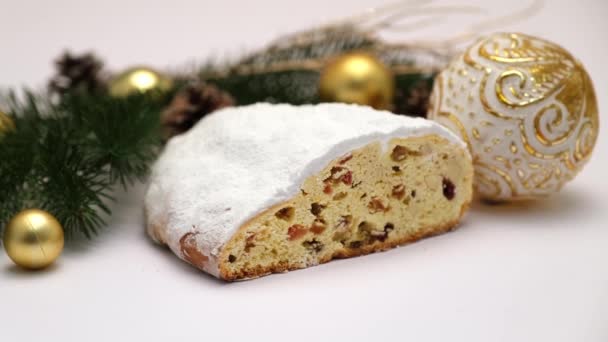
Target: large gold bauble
[(33, 239), (357, 78), (6, 123), (526, 108), (138, 80)]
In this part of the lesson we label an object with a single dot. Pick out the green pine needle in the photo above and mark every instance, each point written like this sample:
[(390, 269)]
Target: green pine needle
[(64, 158)]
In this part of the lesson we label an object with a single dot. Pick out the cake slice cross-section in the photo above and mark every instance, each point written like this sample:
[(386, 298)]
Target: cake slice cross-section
[(265, 188)]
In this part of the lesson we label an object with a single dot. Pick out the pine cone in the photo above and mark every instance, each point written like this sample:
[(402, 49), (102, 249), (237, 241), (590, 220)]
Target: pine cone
[(192, 104), (414, 101), (76, 73)]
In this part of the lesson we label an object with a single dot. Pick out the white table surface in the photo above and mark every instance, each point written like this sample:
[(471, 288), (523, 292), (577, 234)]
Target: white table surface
[(534, 272)]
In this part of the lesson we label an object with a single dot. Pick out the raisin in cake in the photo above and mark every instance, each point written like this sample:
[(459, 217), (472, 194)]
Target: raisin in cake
[(269, 188)]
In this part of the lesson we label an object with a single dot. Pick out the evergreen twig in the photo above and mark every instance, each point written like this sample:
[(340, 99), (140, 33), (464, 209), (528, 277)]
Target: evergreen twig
[(64, 158)]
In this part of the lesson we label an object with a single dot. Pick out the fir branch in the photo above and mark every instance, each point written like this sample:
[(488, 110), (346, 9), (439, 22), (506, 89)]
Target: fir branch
[(122, 135), (288, 70), (64, 158)]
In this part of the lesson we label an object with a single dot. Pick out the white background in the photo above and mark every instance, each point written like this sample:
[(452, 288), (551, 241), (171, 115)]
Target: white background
[(527, 272)]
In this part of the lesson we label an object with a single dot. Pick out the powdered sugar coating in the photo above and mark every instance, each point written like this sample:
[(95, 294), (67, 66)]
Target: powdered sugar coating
[(239, 161)]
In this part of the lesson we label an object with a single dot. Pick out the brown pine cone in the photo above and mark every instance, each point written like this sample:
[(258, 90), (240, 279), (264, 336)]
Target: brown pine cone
[(414, 101), (190, 105), (76, 73)]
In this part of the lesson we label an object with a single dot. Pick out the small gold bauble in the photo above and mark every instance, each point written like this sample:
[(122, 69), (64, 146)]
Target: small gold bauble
[(33, 239), (6, 123), (138, 80), (357, 78), (527, 109)]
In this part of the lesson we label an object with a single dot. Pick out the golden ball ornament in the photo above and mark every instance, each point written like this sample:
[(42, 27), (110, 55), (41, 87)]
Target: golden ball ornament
[(527, 110), (357, 78), (33, 239), (138, 80), (6, 123)]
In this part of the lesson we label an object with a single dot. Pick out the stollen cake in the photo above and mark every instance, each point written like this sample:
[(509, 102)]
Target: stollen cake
[(269, 188)]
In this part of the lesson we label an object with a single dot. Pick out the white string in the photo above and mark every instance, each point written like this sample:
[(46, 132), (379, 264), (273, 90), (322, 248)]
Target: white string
[(391, 17), (376, 12), (493, 23), (412, 15), (391, 22)]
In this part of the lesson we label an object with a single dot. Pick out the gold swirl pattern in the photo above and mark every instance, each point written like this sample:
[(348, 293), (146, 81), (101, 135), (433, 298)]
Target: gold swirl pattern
[(486, 185), (535, 68), (496, 175), (436, 102), (531, 108), (549, 121)]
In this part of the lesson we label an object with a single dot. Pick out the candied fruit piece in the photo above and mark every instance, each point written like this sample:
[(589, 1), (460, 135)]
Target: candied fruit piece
[(296, 231), (449, 189)]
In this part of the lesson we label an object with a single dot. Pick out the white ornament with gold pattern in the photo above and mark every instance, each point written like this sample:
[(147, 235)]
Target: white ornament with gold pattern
[(527, 110)]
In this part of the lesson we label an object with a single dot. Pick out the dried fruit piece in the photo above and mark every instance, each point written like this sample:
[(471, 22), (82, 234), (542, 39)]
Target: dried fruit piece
[(340, 174), (370, 233), (249, 242), (316, 208), (345, 159), (339, 196), (296, 231), (313, 245), (343, 228), (449, 189), (335, 173), (389, 227), (401, 152), (344, 222), (377, 204), (327, 189), (347, 178), (398, 191), (285, 213), (355, 244), (318, 226), (231, 258)]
